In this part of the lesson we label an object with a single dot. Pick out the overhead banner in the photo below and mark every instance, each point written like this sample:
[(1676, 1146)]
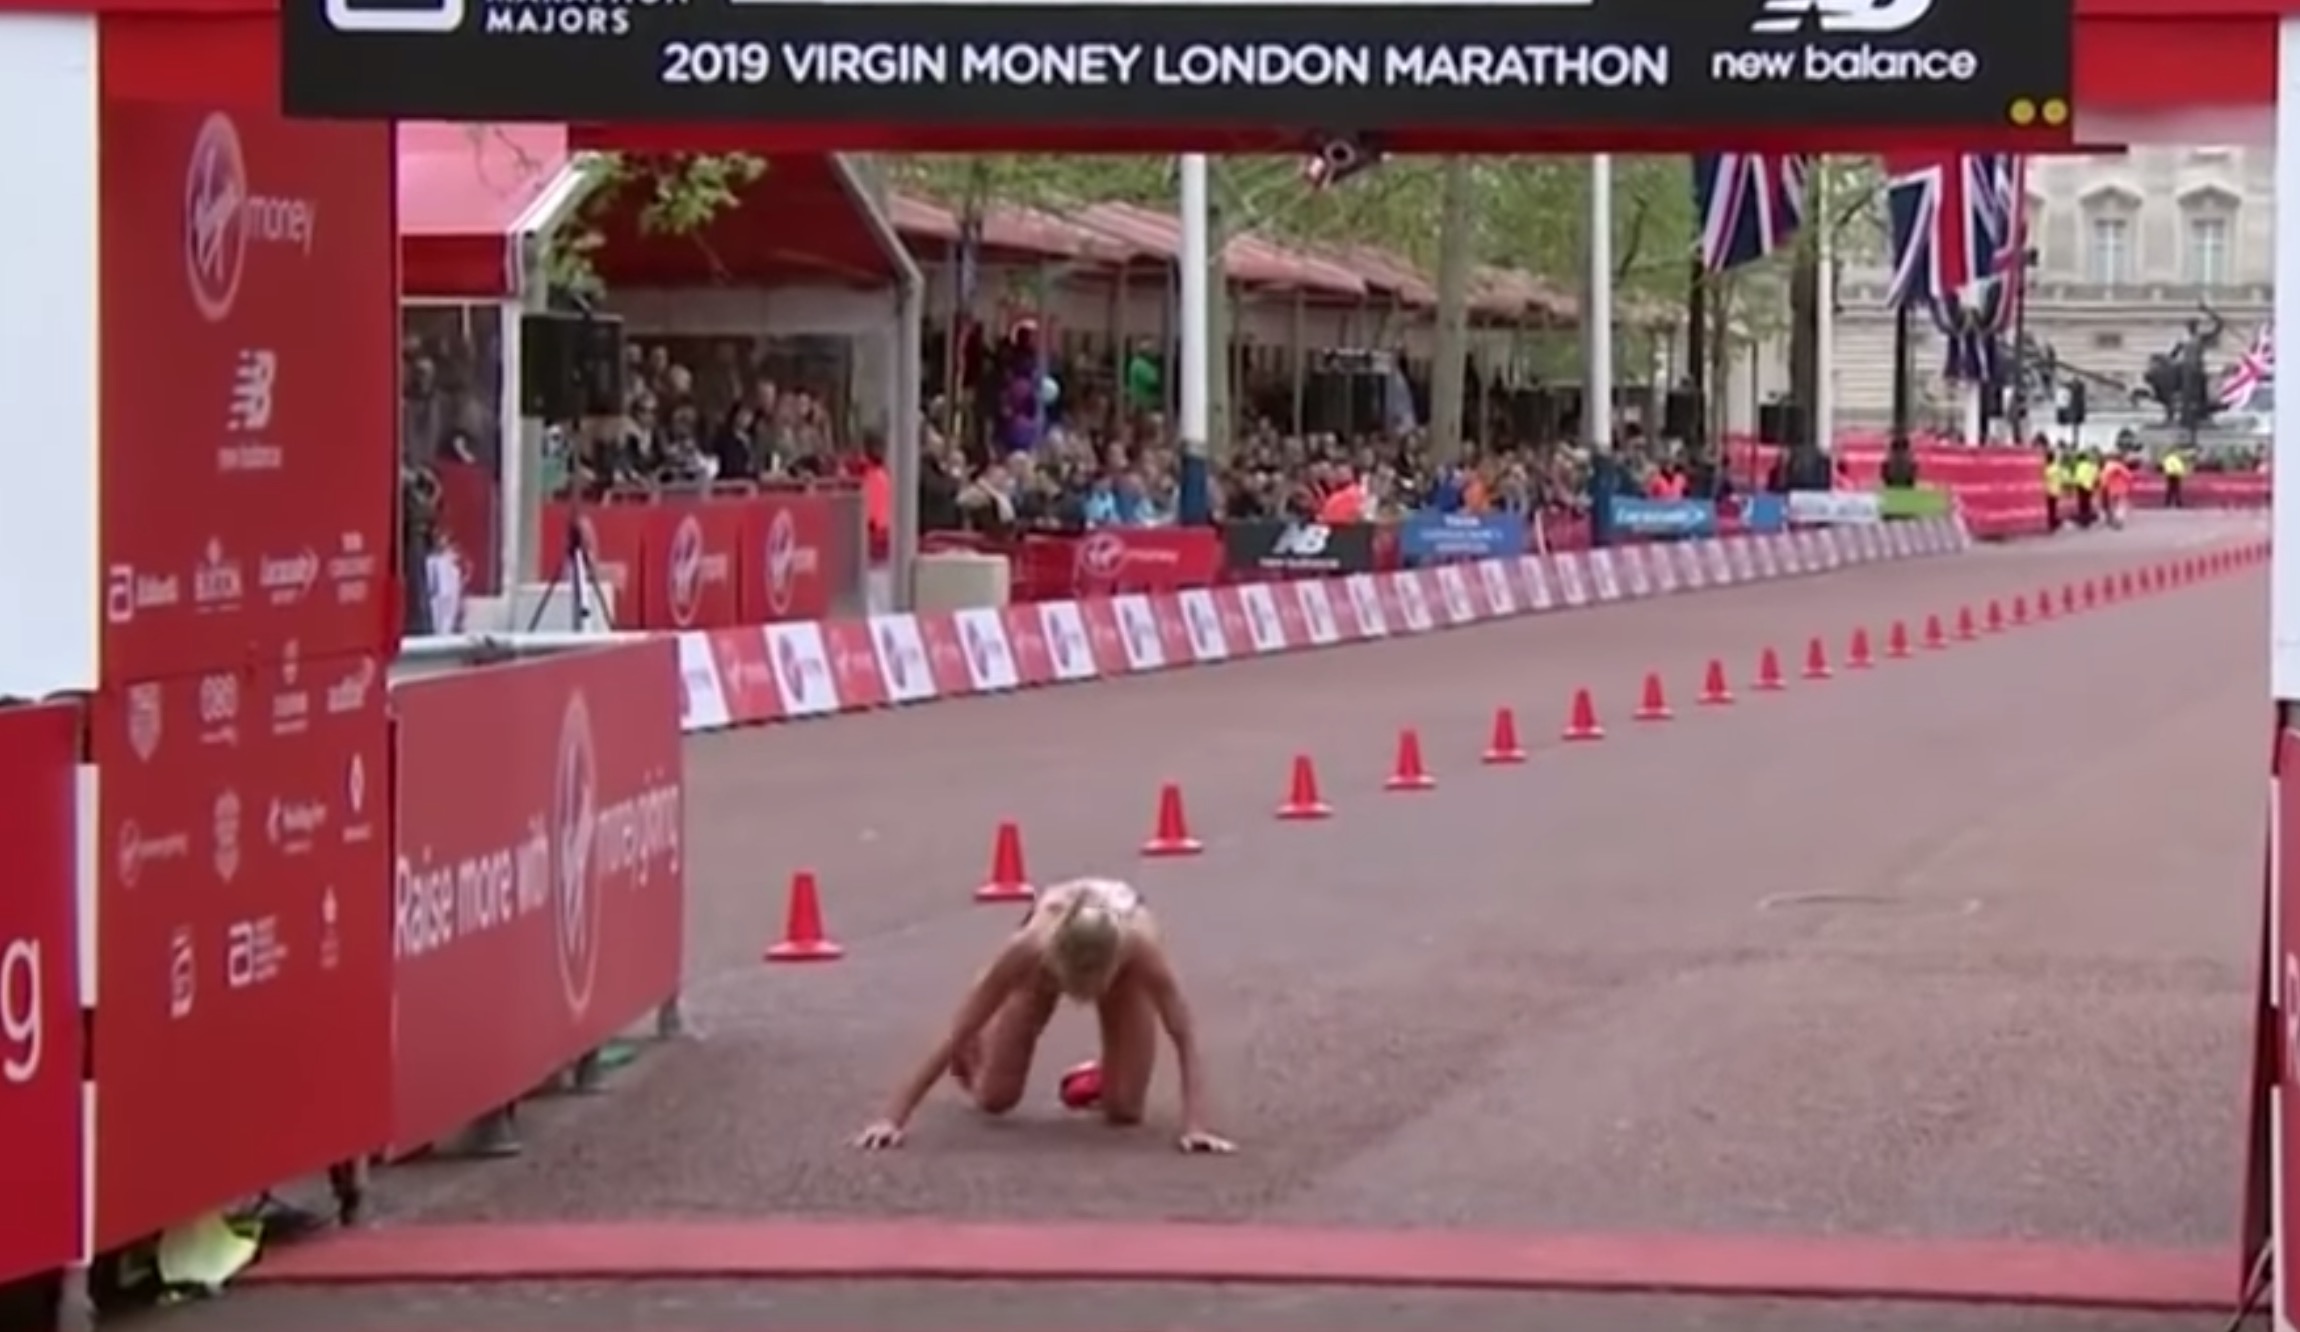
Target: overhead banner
[(1574, 64)]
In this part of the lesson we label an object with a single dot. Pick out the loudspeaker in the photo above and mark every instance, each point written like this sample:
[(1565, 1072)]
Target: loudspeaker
[(1680, 415), (570, 366), (1781, 422)]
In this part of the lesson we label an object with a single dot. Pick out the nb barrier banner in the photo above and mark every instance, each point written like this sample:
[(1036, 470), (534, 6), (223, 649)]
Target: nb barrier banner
[(1834, 508), (1636, 517), (1438, 538), (40, 1050), (243, 934), (706, 563), (539, 890), (1279, 547)]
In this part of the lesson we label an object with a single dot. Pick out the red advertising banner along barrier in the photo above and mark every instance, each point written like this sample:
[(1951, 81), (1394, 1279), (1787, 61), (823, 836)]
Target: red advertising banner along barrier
[(243, 888), (39, 991), (249, 382), (539, 895), (706, 563), (1111, 560)]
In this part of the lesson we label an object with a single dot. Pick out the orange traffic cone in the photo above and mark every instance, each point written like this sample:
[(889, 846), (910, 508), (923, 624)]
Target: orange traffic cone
[(1935, 640), (2125, 586), (1966, 633), (2067, 598), (1172, 837), (1303, 804), (1503, 748), (1996, 617), (1653, 700), (1581, 719), (2090, 596), (1769, 679), (1007, 881), (1408, 774), (1817, 659), (1897, 641), (2020, 608), (803, 938), (2108, 590), (1857, 654), (1715, 692)]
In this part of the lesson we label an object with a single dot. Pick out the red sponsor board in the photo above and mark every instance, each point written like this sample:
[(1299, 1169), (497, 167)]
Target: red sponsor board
[(1118, 559), (692, 554), (243, 874), (249, 387), (39, 991), (539, 887), (615, 544), (786, 572)]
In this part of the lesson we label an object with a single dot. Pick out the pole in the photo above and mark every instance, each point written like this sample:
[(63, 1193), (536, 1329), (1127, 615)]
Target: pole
[(1697, 356), (1196, 265), (1597, 311), (1902, 406), (1824, 314)]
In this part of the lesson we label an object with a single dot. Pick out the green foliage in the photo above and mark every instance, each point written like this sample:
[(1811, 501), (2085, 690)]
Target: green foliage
[(675, 195)]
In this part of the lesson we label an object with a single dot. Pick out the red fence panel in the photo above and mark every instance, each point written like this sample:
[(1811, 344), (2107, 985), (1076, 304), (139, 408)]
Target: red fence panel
[(1117, 559), (39, 991), (787, 571), (696, 562), (243, 936), (539, 894)]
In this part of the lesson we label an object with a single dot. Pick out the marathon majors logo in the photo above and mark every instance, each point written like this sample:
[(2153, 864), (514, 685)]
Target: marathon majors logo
[(223, 216), (1846, 50)]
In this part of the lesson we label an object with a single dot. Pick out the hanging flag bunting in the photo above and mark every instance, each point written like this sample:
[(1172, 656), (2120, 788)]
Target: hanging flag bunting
[(1958, 250), (2255, 369), (1749, 205)]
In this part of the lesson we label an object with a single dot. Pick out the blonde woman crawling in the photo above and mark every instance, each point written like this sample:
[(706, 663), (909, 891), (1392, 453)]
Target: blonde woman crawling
[(1091, 941)]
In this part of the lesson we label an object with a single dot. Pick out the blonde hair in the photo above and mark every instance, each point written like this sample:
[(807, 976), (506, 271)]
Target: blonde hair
[(1082, 947)]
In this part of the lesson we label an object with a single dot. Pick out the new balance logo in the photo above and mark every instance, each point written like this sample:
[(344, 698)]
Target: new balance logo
[(1870, 17), (251, 402), (1307, 542)]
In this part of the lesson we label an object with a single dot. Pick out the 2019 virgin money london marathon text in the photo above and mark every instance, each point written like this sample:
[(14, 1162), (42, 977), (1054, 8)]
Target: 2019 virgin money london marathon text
[(1171, 65)]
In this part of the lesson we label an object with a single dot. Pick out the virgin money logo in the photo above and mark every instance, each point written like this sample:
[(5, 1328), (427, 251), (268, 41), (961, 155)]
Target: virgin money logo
[(686, 571), (1100, 557), (223, 216), (787, 562), (577, 905)]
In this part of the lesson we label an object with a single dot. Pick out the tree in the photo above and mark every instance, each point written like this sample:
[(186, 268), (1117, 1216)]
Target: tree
[(679, 194)]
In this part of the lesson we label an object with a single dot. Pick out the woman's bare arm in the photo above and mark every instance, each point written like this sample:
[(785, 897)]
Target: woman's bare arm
[(1008, 970), (1165, 993)]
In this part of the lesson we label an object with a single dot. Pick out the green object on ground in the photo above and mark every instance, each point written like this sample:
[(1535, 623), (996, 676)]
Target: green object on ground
[(1899, 503)]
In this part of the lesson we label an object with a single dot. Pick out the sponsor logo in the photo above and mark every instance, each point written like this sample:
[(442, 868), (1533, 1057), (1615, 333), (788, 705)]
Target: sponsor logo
[(218, 581), (787, 561), (1100, 556), (220, 708), (223, 216), (350, 693), (1863, 16), (248, 414), (225, 825), (1844, 61), (574, 819), (128, 590), (286, 579), (292, 825), (432, 17), (1306, 541), (137, 848), (146, 719)]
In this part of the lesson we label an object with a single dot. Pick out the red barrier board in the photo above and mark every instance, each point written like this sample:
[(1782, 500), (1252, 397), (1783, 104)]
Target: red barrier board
[(786, 571), (243, 914), (2284, 1037), (39, 991), (249, 386), (705, 563), (539, 890), (1118, 559)]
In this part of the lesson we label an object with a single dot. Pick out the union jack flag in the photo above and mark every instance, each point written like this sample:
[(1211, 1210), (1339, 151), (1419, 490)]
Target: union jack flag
[(2256, 367), (1959, 250), (1956, 223), (1749, 204)]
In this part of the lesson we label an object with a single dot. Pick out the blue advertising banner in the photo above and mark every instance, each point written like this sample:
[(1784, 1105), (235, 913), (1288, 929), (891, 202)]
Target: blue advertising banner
[(1434, 538), (1634, 517), (1757, 513)]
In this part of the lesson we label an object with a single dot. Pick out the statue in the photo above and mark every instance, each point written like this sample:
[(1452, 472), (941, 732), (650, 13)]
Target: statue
[(2176, 377)]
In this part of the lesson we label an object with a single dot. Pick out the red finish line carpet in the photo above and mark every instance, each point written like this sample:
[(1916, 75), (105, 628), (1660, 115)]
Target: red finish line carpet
[(1947, 1271), (1881, 986)]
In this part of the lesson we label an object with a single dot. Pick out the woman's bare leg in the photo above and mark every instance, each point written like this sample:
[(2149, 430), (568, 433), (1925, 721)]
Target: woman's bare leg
[(999, 1069), (1129, 1051)]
